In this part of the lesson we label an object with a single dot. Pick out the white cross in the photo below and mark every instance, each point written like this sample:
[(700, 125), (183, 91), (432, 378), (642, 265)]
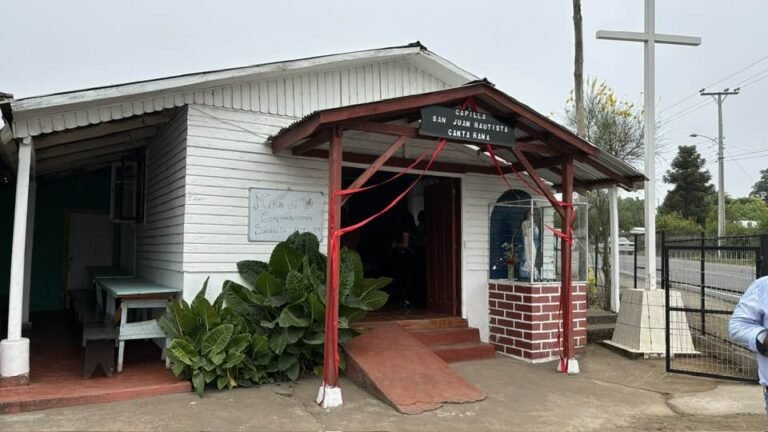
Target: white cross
[(649, 38)]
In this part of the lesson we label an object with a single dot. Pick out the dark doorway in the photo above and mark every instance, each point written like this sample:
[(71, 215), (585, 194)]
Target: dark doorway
[(443, 219), (416, 243)]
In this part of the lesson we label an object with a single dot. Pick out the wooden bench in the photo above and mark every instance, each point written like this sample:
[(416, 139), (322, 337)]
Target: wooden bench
[(99, 341)]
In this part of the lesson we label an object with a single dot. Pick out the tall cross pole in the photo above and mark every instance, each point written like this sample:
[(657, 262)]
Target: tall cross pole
[(649, 38)]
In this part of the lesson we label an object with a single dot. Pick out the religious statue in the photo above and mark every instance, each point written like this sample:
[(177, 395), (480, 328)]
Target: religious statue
[(528, 255)]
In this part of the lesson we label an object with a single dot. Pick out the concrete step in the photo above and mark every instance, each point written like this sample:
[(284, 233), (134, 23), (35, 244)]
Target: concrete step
[(447, 336), (599, 332), (466, 351), (601, 317), (415, 324)]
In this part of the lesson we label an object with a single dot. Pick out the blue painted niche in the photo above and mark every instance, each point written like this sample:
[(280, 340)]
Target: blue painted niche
[(504, 221)]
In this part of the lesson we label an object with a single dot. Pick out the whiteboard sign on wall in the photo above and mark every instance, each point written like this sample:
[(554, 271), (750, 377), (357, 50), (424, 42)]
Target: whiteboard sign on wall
[(273, 214)]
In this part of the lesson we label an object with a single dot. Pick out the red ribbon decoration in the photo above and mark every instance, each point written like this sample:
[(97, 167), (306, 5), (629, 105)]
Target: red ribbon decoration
[(331, 325)]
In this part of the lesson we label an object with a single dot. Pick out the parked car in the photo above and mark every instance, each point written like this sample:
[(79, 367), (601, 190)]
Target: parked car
[(626, 246)]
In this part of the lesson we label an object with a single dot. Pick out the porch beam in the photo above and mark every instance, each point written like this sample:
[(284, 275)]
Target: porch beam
[(537, 179), (600, 184), (81, 164), (315, 141), (617, 178), (305, 128), (577, 184), (63, 161), (96, 143), (541, 149), (448, 167), (99, 130), (526, 139), (381, 128), (90, 167), (376, 165), (14, 350)]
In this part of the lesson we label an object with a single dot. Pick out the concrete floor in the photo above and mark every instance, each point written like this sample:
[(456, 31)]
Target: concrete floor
[(611, 393)]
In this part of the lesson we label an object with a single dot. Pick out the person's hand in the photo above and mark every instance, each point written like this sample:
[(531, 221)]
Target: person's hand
[(760, 343)]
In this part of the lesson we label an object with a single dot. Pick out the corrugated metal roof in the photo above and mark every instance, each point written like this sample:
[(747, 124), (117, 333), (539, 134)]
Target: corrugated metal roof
[(593, 167)]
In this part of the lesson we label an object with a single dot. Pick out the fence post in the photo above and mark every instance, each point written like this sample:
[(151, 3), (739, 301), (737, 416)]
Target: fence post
[(663, 245), (635, 254), (667, 314), (703, 283), (763, 258)]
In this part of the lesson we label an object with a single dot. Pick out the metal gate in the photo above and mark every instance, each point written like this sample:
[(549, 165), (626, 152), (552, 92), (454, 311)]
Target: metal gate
[(703, 284)]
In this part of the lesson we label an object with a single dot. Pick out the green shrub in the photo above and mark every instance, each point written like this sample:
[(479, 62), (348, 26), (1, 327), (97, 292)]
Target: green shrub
[(272, 329)]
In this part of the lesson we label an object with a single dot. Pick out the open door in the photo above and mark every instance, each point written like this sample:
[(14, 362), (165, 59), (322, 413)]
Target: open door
[(89, 244), (442, 208)]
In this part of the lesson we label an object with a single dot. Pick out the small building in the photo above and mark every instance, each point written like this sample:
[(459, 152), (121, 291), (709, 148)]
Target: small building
[(177, 179)]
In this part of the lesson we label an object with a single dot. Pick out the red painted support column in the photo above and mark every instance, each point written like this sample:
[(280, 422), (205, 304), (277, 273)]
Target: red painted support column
[(567, 250), (332, 398)]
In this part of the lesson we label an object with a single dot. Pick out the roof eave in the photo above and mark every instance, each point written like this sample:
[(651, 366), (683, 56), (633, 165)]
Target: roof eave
[(210, 77)]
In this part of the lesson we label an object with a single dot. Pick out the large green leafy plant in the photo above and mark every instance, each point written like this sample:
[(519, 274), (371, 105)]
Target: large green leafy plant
[(272, 328)]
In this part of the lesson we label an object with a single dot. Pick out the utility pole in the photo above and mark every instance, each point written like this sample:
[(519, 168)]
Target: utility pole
[(719, 98)]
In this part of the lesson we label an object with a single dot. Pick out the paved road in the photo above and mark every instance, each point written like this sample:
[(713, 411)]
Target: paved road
[(725, 281)]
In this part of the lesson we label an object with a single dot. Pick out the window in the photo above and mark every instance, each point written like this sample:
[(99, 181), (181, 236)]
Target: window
[(127, 197)]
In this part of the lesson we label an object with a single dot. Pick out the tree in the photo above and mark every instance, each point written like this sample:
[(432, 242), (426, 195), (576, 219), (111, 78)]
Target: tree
[(616, 127), (631, 213), (760, 189), (676, 224), (692, 194), (578, 69), (740, 213)]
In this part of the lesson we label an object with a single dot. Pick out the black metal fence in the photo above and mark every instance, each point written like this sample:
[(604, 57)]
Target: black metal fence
[(632, 260), (703, 280)]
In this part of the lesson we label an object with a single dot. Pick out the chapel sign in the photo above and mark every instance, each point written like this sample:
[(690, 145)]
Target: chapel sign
[(464, 125)]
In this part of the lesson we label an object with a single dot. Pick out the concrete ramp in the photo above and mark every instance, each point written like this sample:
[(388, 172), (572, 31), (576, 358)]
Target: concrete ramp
[(395, 366)]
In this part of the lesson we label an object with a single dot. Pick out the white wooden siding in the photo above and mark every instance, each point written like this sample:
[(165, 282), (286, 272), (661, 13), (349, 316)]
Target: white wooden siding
[(292, 95), (227, 155), (160, 238)]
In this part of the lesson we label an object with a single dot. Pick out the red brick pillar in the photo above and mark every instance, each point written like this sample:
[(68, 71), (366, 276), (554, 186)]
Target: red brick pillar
[(525, 319)]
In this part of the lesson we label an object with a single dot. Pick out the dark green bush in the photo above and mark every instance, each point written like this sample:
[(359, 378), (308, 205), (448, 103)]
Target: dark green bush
[(272, 328)]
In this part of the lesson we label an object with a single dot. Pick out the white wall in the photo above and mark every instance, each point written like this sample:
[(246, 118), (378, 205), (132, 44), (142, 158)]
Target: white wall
[(159, 239), (227, 155)]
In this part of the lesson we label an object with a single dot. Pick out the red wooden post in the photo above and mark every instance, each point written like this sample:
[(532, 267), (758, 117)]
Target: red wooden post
[(331, 375), (567, 248)]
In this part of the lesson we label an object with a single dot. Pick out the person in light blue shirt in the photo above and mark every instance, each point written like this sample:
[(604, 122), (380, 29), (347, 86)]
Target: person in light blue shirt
[(749, 327)]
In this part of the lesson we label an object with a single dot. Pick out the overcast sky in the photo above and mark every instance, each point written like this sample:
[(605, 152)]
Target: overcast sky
[(525, 47)]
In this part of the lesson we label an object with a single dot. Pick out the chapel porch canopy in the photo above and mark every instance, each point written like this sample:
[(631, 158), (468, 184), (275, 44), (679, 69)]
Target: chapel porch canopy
[(540, 140)]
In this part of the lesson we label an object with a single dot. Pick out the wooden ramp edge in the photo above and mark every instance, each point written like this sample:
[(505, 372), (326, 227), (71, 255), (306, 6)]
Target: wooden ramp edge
[(396, 367)]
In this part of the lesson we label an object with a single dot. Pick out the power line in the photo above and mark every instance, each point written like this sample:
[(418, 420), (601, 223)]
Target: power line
[(715, 83), (749, 153), (744, 158), (685, 112), (740, 167), (750, 78), (755, 81)]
